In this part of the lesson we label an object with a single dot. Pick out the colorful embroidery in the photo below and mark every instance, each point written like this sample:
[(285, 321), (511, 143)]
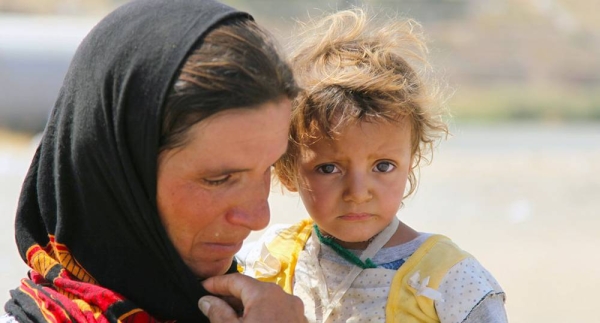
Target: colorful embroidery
[(63, 291)]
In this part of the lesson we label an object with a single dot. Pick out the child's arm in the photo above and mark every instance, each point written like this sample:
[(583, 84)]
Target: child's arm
[(471, 294), (489, 310)]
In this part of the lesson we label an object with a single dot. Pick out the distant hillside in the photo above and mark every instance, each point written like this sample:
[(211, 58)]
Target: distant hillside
[(505, 58)]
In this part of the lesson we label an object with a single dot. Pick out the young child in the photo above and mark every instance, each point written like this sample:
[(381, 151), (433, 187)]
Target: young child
[(365, 119)]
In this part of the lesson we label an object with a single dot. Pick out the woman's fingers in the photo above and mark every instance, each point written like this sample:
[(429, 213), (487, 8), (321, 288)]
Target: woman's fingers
[(236, 285), (262, 302), (217, 310)]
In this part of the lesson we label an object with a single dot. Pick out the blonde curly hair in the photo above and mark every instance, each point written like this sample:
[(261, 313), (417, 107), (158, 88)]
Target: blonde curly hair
[(352, 68)]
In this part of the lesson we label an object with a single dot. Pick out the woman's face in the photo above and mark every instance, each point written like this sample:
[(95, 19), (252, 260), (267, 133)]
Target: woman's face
[(212, 192)]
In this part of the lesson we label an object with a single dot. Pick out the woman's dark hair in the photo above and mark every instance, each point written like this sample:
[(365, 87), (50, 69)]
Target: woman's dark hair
[(236, 65)]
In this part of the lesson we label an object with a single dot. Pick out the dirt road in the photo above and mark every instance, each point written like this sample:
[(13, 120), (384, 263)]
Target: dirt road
[(524, 199)]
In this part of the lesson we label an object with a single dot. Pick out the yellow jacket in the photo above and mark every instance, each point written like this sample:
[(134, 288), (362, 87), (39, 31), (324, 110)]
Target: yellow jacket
[(432, 260)]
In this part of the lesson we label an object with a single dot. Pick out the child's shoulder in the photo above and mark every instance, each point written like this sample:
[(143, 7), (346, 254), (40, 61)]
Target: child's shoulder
[(282, 239), (438, 256), (275, 231), (436, 251), (462, 283)]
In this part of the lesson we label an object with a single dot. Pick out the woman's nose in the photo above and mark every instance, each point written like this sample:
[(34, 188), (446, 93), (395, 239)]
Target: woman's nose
[(357, 188), (253, 211)]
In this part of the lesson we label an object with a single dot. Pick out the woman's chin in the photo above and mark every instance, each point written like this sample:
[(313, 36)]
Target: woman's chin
[(215, 268)]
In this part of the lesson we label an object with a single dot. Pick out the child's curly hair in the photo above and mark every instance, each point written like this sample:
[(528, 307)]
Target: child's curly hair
[(350, 69)]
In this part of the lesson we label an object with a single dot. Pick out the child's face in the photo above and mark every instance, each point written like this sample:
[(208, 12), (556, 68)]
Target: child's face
[(353, 186)]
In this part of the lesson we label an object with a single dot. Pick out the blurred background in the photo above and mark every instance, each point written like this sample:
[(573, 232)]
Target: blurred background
[(517, 184)]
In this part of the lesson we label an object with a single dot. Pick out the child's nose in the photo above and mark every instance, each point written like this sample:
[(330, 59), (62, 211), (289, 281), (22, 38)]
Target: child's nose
[(357, 189)]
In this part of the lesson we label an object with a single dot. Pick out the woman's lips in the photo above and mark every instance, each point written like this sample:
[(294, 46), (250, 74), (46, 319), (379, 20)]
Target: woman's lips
[(223, 247)]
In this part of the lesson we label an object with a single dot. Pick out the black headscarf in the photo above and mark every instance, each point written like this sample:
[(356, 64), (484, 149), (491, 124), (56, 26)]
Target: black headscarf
[(92, 183)]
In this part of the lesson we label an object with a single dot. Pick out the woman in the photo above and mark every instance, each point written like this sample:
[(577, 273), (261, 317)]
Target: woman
[(153, 168)]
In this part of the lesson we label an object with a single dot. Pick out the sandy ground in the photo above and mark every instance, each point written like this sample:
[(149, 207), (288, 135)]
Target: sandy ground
[(524, 199)]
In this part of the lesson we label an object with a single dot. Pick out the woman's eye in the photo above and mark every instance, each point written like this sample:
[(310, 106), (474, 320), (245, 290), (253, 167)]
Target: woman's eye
[(327, 169), (384, 167), (214, 181)]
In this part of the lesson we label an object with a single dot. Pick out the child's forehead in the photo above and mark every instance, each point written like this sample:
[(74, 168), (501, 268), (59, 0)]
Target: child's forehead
[(381, 135), (370, 140), (337, 128)]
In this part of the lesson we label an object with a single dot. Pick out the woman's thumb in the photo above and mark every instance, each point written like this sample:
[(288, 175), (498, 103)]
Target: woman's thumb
[(217, 310)]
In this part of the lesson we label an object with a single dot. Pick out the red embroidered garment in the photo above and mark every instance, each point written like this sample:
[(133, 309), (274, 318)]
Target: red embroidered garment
[(62, 291)]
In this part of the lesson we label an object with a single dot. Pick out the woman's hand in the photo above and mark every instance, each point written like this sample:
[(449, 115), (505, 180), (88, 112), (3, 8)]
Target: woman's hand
[(261, 302)]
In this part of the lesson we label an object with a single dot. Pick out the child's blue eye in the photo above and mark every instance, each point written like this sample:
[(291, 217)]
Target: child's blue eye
[(384, 167), (327, 169)]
